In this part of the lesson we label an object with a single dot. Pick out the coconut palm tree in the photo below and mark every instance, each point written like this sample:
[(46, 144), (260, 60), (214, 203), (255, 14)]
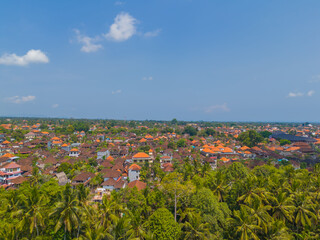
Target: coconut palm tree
[(109, 211), (304, 212), (33, 210), (94, 232), (282, 207), (277, 230), (217, 183), (194, 228), (248, 186), (12, 204), (137, 230), (119, 229), (67, 212), (259, 212), (245, 225)]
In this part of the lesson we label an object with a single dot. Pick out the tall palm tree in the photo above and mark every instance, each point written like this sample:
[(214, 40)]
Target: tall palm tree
[(305, 213), (245, 224), (12, 203), (119, 229), (277, 230), (137, 230), (94, 232), (36, 176), (194, 228), (10, 232), (109, 211), (218, 185), (67, 212), (259, 212), (33, 210), (282, 207), (249, 194)]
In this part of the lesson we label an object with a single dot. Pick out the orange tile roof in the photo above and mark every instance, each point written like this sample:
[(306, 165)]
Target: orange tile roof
[(227, 150), (140, 185), (8, 155), (225, 159), (244, 148), (141, 155), (110, 158), (135, 167)]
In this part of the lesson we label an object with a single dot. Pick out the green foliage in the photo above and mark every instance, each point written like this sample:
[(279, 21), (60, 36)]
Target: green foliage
[(210, 131), (18, 135), (265, 134), (145, 148), (93, 162), (172, 145), (174, 121), (163, 226), (65, 167), (182, 142), (194, 202), (190, 130), (81, 126), (250, 138), (213, 212), (284, 142)]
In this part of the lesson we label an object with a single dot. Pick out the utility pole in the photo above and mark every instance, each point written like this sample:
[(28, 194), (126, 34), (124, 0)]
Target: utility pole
[(175, 201)]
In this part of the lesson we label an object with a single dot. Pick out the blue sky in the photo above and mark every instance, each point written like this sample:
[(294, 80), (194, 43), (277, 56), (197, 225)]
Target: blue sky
[(190, 60)]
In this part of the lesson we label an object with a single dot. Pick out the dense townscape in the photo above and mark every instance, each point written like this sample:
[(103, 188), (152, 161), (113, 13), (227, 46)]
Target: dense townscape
[(112, 179)]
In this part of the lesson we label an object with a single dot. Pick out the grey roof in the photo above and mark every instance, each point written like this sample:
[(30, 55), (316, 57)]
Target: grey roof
[(62, 178), (290, 137)]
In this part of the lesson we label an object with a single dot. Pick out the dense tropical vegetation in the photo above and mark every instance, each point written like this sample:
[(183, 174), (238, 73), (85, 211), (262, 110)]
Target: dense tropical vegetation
[(193, 202)]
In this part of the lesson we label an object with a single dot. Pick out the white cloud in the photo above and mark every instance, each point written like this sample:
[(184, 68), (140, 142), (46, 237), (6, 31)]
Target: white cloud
[(213, 108), (295, 94), (315, 79), (116, 92), (55, 105), (123, 28), (147, 78), (301, 94), (88, 43), (152, 33), (119, 3), (32, 56), (310, 93), (22, 99)]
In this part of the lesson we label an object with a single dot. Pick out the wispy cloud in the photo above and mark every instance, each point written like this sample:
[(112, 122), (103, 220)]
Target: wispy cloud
[(55, 105), (221, 107), (119, 3), (152, 33), (301, 94), (22, 99), (310, 93), (123, 28), (32, 56), (117, 92), (295, 94), (315, 79), (147, 78), (88, 44)]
